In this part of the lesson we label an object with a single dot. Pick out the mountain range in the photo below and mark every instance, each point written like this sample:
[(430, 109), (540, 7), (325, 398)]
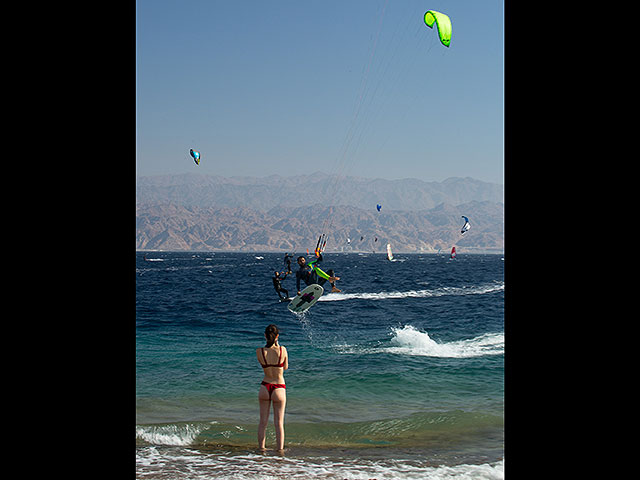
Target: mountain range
[(277, 214)]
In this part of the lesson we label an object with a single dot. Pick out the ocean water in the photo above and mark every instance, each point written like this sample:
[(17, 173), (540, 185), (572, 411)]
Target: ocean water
[(401, 375)]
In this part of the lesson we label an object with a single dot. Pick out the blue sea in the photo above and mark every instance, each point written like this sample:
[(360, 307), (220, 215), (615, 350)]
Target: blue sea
[(399, 376)]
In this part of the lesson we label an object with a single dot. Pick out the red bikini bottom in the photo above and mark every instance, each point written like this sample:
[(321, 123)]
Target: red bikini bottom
[(272, 386)]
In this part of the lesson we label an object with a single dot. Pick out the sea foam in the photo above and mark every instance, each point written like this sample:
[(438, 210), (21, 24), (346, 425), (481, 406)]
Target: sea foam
[(202, 465), (180, 435), (410, 341)]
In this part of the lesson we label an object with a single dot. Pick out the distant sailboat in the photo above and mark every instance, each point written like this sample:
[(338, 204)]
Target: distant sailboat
[(389, 254), (453, 253)]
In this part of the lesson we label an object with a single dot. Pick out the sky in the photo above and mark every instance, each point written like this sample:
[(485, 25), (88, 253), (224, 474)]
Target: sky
[(346, 87)]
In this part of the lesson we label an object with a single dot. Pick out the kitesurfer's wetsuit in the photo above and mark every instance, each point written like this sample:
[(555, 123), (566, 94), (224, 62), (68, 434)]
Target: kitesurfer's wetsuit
[(311, 274), (278, 286)]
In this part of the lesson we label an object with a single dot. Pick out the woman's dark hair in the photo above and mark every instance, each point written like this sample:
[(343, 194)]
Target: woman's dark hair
[(271, 332)]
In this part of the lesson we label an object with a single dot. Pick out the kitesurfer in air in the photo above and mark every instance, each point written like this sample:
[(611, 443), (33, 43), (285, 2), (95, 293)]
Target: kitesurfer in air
[(278, 286), (310, 273)]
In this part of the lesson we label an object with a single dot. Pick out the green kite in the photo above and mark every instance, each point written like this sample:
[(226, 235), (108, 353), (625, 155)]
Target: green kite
[(444, 25)]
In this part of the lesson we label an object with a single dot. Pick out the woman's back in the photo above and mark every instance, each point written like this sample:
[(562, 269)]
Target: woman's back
[(274, 361)]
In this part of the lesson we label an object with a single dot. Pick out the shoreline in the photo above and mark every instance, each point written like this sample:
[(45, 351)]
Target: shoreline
[(426, 456), (301, 463), (481, 443)]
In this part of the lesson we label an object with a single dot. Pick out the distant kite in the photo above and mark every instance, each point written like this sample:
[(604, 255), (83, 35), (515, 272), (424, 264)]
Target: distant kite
[(444, 25), (466, 225), (196, 155)]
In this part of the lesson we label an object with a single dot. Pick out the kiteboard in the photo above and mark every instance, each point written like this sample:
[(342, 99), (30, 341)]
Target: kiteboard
[(309, 296)]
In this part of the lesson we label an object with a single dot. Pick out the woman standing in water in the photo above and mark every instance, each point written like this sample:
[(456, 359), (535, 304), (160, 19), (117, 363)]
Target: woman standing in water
[(272, 388)]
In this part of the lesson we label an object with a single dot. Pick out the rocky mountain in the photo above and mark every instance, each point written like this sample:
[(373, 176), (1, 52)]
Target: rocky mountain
[(199, 212), (173, 227)]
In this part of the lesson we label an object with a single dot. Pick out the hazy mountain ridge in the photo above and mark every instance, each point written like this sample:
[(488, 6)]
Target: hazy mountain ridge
[(318, 188), (172, 227), (199, 212)]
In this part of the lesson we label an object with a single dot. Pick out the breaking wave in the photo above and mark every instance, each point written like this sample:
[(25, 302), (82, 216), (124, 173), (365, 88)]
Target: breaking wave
[(196, 465), (410, 341)]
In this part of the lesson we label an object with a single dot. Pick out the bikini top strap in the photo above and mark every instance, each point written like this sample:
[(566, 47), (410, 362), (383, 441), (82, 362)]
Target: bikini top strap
[(265, 364)]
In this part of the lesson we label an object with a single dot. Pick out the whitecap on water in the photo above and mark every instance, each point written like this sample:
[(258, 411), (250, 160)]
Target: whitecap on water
[(410, 341), (203, 465)]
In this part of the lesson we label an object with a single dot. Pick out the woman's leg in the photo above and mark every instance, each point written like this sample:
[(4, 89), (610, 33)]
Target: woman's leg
[(279, 397), (265, 403)]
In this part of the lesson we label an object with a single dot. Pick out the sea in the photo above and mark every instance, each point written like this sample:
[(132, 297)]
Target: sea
[(398, 376)]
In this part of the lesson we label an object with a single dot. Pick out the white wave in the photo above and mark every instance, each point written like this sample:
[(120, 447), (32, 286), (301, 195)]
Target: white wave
[(202, 465), (410, 341), (438, 292), (154, 259), (177, 435)]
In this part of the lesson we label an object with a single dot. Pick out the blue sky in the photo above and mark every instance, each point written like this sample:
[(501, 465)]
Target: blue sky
[(354, 87)]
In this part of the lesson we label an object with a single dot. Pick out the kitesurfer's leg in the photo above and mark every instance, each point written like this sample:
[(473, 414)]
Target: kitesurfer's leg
[(286, 292), (332, 280), (330, 273), (278, 290)]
